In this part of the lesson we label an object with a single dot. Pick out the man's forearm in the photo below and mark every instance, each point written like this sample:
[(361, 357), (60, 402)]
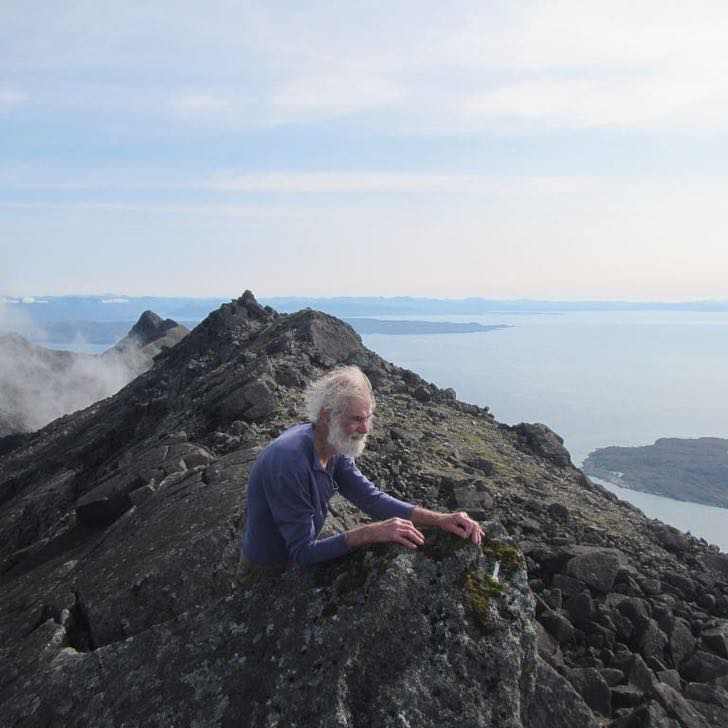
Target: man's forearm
[(423, 517), (359, 536)]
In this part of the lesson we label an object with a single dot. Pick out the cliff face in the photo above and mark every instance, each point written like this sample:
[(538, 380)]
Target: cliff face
[(39, 385), (120, 528)]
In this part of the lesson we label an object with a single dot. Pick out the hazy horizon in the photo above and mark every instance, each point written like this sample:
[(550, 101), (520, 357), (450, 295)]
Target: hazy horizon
[(29, 298)]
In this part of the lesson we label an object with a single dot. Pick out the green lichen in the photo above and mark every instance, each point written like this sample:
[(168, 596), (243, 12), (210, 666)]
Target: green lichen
[(510, 557), (480, 589)]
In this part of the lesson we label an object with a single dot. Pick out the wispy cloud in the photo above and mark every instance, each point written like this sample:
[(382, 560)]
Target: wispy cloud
[(9, 99), (329, 182), (409, 66), (201, 103), (334, 94)]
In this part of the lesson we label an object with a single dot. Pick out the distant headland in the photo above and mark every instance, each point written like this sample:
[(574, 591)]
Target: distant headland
[(693, 470), (384, 326)]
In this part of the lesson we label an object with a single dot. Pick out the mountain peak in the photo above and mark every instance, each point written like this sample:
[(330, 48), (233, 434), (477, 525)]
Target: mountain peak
[(150, 327)]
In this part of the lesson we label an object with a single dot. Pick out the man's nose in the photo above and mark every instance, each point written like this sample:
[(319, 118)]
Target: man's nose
[(363, 426)]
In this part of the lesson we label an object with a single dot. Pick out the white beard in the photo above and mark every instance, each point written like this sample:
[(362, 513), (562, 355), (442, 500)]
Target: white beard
[(350, 446)]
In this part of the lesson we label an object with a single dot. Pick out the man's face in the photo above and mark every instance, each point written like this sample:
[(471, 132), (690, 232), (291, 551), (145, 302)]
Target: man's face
[(348, 431)]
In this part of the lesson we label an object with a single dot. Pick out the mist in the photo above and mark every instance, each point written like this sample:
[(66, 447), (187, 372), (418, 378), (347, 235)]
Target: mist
[(38, 385)]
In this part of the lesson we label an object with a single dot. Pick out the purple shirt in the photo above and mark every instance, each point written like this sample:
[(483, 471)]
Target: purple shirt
[(287, 501)]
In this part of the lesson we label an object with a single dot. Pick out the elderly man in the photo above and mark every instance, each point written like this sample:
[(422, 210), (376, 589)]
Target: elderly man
[(296, 475)]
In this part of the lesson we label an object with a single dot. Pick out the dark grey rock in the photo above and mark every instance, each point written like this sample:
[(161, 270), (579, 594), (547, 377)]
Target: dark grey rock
[(625, 584), (548, 647), (676, 706), (653, 642), (581, 609), (559, 512), (651, 715), (476, 501), (543, 441), (671, 677), (422, 394), (703, 666), (641, 676), (289, 375), (260, 400), (597, 568), (556, 704), (623, 626), (682, 642), (486, 467), (670, 538), (612, 676), (716, 639), (589, 683), (558, 626), (683, 583), (637, 612), (712, 694), (651, 586), (626, 696), (623, 660), (664, 617), (554, 598)]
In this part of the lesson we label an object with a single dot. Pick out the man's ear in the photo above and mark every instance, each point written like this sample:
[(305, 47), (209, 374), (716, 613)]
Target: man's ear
[(324, 417)]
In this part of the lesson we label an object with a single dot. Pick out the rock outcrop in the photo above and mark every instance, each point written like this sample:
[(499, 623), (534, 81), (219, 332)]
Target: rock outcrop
[(120, 528), (39, 385)]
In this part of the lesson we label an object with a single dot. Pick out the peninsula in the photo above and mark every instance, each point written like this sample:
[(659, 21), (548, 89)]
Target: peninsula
[(384, 326), (687, 470)]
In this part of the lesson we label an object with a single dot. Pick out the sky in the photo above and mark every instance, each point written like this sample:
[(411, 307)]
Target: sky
[(551, 150)]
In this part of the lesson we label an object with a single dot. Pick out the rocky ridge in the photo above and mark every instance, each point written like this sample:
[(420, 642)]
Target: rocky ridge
[(120, 528)]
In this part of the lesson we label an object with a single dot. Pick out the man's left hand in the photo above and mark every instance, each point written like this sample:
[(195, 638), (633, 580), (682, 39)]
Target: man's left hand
[(461, 524)]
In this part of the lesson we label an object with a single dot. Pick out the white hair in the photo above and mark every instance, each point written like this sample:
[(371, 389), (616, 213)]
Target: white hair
[(334, 390)]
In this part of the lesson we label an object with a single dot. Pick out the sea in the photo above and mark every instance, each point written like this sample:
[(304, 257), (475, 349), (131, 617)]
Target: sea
[(597, 378)]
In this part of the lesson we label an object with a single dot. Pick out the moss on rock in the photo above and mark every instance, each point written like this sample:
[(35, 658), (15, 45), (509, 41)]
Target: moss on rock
[(480, 588)]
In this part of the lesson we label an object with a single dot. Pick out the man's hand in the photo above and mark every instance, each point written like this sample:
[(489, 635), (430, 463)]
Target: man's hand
[(461, 524), (393, 530)]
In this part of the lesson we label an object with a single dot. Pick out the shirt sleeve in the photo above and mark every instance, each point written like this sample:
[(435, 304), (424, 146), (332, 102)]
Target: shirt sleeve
[(289, 499), (357, 488)]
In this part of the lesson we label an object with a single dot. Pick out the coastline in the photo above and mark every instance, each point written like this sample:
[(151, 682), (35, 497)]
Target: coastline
[(703, 521)]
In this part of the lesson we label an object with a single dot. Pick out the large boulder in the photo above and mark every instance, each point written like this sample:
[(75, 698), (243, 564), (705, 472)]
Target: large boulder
[(596, 567), (383, 637), (543, 441)]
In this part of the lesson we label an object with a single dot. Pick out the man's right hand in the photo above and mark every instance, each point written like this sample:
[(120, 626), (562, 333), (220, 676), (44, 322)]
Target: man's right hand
[(393, 530)]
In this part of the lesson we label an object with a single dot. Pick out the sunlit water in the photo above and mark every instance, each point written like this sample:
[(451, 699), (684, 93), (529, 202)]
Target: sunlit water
[(708, 522)]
